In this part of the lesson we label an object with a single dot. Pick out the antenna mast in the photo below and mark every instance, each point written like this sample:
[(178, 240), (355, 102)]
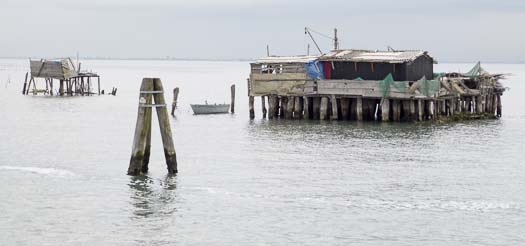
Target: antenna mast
[(336, 40)]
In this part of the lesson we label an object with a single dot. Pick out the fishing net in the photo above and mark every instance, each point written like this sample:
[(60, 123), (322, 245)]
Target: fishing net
[(428, 87), (386, 84)]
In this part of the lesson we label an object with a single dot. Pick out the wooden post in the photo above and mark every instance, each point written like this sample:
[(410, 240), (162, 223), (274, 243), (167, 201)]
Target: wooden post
[(396, 108), (494, 104), (459, 106), (263, 105), (498, 109), (232, 104), (316, 108), (365, 111), (345, 108), (61, 88), (412, 108), (306, 107), (323, 113), (141, 130), (272, 107), (165, 128), (479, 104), (250, 105), (420, 109), (174, 102), (288, 113), (359, 108), (298, 108), (282, 106), (98, 81), (147, 147), (25, 84), (385, 109), (335, 110)]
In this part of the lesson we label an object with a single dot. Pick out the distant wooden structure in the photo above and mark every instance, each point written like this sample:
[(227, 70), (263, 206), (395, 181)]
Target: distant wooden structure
[(151, 90), (365, 85), (72, 81)]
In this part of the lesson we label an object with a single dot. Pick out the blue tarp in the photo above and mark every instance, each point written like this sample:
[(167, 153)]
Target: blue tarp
[(314, 69)]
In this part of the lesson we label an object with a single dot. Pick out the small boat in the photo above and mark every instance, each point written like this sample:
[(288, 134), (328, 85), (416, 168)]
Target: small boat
[(210, 108)]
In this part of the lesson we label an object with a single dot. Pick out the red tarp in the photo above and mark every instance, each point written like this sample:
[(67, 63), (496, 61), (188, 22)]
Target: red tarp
[(327, 70)]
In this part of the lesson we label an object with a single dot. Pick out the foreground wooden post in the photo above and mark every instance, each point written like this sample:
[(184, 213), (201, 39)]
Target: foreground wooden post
[(250, 105), (263, 105), (385, 109), (141, 130), (232, 104), (175, 98), (142, 139)]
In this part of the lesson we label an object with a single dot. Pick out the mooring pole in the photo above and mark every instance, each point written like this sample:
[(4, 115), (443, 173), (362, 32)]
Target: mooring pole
[(141, 129), (175, 98), (165, 129), (232, 105), (147, 148), (25, 84)]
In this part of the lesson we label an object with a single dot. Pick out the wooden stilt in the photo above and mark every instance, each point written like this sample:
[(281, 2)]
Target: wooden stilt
[(141, 130), (290, 101), (306, 107), (335, 110), (147, 147), (385, 109), (412, 108), (323, 108), (359, 108), (396, 108), (316, 108), (494, 104), (61, 88), (250, 105), (298, 108), (165, 128), (499, 107), (479, 104), (232, 104), (365, 111), (345, 108), (263, 105), (25, 84), (282, 106), (272, 107), (98, 82), (174, 102), (420, 109)]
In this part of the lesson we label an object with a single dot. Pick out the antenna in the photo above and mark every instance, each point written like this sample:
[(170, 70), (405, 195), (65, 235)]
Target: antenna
[(336, 40), (267, 50)]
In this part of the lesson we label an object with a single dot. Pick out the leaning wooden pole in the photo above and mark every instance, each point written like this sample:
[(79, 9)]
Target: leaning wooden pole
[(232, 104), (175, 98), (141, 129), (147, 148), (25, 84), (165, 128)]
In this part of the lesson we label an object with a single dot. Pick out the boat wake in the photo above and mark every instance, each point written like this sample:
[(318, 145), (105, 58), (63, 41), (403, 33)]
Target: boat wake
[(40, 170)]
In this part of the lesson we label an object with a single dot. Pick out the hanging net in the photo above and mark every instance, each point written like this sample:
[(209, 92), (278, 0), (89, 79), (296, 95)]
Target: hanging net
[(428, 87), (386, 84)]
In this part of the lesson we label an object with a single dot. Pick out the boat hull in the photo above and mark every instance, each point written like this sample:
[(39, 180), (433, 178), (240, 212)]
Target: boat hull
[(210, 108)]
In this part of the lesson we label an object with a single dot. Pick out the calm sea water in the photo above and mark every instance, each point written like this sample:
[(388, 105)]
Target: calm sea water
[(63, 165)]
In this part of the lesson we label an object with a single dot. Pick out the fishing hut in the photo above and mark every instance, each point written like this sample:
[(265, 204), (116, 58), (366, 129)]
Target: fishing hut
[(371, 85), (71, 80)]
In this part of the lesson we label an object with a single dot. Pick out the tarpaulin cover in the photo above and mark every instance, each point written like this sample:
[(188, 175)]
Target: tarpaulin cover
[(315, 70), (327, 70)]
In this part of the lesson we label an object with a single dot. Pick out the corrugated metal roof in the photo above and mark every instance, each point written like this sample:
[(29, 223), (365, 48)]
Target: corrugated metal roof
[(374, 56), (287, 59)]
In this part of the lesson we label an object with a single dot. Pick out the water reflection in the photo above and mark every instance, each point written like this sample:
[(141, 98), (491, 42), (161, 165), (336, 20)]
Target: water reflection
[(153, 197)]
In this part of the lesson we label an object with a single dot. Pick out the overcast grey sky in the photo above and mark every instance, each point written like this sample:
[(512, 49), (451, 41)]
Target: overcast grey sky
[(461, 30)]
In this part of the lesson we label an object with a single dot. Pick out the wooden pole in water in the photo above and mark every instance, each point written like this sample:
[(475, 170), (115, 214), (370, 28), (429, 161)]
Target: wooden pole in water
[(232, 104), (25, 84), (499, 108), (272, 107), (165, 129), (141, 130), (385, 109), (250, 105), (335, 110), (316, 106), (479, 104), (298, 108), (306, 107), (420, 109), (61, 88), (98, 82), (323, 108), (396, 108), (289, 107), (175, 99), (359, 108), (263, 105), (345, 108), (147, 147)]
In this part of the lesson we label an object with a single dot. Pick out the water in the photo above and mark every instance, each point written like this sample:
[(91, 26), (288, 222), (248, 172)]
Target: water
[(63, 165)]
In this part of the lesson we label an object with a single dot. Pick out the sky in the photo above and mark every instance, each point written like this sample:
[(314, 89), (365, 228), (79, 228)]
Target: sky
[(451, 30)]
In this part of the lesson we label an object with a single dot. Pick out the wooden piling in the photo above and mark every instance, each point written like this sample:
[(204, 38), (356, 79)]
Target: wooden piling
[(263, 106), (479, 104), (282, 106), (396, 110), (25, 84), (98, 81), (250, 105), (359, 108), (147, 147), (385, 109), (365, 109), (345, 108), (272, 106), (499, 107), (335, 110), (306, 107), (165, 128), (232, 104), (141, 130), (412, 106), (323, 113), (298, 108), (316, 108), (420, 109), (288, 113), (174, 102)]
